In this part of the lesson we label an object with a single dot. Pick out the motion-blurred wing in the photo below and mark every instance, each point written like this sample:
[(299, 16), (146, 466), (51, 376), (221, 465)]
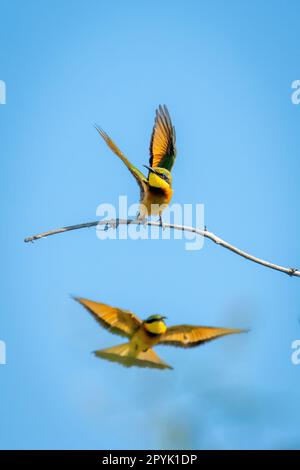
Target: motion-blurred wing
[(187, 336), (122, 355), (139, 176), (120, 322), (163, 140)]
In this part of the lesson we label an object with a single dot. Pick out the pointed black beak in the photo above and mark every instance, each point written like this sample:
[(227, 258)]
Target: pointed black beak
[(150, 168)]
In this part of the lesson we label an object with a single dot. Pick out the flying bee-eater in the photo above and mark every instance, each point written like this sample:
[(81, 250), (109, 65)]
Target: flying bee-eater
[(156, 189), (144, 334)]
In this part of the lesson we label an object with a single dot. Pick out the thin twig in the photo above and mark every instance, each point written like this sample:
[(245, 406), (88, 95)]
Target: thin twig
[(204, 233)]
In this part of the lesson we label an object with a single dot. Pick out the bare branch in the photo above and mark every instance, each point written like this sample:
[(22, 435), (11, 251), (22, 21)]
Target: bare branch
[(204, 233)]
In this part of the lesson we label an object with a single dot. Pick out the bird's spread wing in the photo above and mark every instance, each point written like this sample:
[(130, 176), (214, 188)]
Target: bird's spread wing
[(120, 322), (139, 176), (123, 355), (187, 336), (163, 140)]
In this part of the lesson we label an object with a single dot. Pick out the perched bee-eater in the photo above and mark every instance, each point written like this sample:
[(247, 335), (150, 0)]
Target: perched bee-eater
[(143, 335), (156, 189)]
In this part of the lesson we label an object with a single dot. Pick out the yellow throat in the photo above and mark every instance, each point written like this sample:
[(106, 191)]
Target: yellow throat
[(157, 327), (157, 182)]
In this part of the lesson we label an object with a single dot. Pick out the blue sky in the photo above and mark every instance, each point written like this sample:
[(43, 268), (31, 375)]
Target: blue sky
[(225, 71)]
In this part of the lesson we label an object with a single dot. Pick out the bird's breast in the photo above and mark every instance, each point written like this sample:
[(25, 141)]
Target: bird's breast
[(143, 340), (154, 197)]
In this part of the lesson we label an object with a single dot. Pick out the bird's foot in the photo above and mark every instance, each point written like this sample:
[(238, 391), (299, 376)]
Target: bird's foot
[(161, 223), (141, 219)]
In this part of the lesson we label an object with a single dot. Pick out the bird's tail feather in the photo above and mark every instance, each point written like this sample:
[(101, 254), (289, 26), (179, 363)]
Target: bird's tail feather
[(123, 355)]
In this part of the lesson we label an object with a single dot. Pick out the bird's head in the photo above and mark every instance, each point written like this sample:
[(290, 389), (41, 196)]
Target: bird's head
[(159, 177), (155, 324)]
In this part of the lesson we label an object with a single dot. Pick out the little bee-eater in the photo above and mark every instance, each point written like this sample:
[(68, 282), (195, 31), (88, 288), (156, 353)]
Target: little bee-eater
[(156, 189), (143, 335)]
